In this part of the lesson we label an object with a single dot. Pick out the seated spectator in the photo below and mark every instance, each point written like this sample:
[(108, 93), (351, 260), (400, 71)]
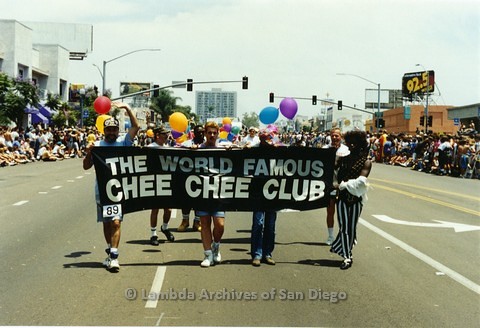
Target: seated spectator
[(18, 156), (27, 150), (435, 165), (401, 159), (59, 150), (45, 154)]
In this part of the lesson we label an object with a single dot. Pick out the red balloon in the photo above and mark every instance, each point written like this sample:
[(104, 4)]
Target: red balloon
[(102, 105)]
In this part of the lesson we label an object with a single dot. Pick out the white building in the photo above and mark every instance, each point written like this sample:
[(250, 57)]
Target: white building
[(41, 52), (215, 103)]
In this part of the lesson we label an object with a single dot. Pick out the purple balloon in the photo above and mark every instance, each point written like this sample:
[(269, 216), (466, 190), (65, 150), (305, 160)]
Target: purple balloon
[(227, 127), (176, 134), (288, 108)]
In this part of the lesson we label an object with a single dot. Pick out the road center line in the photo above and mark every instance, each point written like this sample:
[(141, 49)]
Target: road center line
[(156, 287), (429, 199), (426, 188), (159, 320), (20, 203), (425, 258)]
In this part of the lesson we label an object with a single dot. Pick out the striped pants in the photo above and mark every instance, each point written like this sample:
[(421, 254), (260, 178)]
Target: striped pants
[(347, 215)]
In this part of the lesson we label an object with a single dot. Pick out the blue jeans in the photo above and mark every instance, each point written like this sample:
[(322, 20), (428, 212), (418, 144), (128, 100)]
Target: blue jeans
[(263, 234)]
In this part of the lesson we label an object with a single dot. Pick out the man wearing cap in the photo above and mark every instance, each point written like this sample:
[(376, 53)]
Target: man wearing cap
[(111, 225), (160, 136)]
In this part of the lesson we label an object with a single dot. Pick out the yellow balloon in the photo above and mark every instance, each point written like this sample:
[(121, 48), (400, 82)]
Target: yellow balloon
[(226, 120), (150, 133), (99, 122), (178, 122), (182, 138), (223, 135)]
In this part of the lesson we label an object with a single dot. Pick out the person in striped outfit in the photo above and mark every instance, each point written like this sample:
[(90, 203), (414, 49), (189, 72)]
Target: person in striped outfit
[(352, 177)]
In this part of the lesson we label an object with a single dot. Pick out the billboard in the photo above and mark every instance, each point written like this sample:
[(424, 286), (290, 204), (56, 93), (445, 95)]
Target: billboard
[(74, 92), (127, 88), (417, 83), (389, 98)]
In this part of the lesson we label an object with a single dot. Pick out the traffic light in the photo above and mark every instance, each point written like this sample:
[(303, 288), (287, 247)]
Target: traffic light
[(245, 83), (379, 123), (430, 120), (422, 120), (339, 105), (189, 84), (271, 96), (314, 100), (156, 92)]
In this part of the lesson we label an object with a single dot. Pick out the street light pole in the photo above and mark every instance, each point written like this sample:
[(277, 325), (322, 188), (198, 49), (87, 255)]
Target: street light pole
[(99, 71), (378, 98), (105, 62), (425, 111), (82, 101)]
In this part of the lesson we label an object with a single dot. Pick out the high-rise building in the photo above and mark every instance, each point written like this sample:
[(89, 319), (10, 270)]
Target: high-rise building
[(215, 103)]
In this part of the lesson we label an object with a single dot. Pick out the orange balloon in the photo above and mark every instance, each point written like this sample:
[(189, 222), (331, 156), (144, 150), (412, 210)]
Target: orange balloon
[(182, 138), (226, 120), (178, 122), (150, 133)]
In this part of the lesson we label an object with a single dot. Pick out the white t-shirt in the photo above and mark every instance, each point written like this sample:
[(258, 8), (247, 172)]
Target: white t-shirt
[(252, 142)]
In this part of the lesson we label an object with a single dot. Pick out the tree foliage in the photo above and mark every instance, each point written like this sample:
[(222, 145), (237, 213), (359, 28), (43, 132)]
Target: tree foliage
[(15, 96), (165, 104), (251, 119)]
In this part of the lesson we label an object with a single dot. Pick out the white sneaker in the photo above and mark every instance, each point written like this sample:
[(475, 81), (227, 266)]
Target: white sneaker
[(217, 257), (330, 240), (113, 265), (107, 260), (208, 261)]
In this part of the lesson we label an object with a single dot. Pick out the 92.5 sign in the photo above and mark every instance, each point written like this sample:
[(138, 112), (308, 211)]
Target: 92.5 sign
[(417, 83)]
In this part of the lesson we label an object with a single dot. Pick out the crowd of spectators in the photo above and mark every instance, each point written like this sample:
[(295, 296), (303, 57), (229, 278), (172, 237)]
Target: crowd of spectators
[(37, 144), (442, 154)]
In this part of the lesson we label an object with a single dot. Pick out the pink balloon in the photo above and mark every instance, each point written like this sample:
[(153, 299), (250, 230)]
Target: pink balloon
[(288, 108), (272, 128)]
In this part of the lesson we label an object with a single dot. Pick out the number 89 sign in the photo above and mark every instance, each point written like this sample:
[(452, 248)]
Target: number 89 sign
[(110, 211)]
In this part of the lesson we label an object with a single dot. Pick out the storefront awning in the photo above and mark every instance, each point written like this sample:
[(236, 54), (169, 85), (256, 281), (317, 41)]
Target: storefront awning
[(45, 111), (39, 118), (30, 109)]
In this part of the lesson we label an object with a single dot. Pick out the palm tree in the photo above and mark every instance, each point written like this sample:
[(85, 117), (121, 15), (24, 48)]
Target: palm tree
[(164, 104), (53, 101)]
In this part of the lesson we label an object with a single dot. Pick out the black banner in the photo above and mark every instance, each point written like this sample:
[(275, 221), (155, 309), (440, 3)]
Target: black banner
[(214, 179)]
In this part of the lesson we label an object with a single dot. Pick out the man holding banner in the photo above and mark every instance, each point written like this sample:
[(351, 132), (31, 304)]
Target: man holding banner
[(160, 136), (108, 215), (211, 239), (213, 180)]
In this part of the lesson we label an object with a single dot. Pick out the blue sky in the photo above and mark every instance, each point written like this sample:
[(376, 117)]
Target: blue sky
[(289, 47)]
